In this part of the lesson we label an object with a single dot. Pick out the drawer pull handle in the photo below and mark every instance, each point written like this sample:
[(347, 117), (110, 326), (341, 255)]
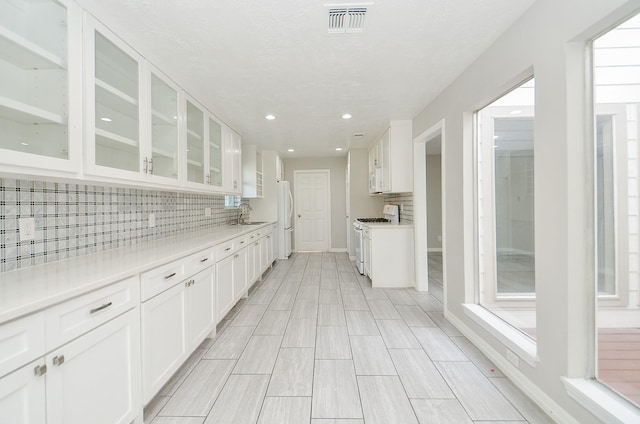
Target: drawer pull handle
[(99, 308), (189, 283), (40, 370), (204, 260), (256, 243), (227, 249), (173, 274), (58, 360), (242, 242)]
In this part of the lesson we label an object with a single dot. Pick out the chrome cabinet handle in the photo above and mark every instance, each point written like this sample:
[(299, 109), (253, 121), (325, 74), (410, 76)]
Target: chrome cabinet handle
[(242, 242), (227, 249), (58, 360), (236, 256), (173, 274), (99, 308), (145, 167), (40, 370), (150, 165), (204, 260)]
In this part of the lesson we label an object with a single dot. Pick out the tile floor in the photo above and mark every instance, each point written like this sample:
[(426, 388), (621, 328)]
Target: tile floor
[(314, 343)]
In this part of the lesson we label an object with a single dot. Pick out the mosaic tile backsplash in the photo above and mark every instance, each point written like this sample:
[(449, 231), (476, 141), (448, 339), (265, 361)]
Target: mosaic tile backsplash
[(406, 199), (77, 219)]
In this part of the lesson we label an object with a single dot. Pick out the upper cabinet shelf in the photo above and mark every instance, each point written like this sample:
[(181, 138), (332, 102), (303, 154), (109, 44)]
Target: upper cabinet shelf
[(26, 54), (26, 114)]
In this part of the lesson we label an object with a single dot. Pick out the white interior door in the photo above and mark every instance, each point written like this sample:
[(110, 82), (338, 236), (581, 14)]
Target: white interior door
[(312, 210)]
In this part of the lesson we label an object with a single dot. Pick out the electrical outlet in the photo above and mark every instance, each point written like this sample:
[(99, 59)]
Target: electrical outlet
[(401, 208), (152, 220), (27, 229), (513, 358), (207, 212)]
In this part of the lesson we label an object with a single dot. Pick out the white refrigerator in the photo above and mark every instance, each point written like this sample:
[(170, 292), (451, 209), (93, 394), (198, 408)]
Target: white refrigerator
[(285, 212)]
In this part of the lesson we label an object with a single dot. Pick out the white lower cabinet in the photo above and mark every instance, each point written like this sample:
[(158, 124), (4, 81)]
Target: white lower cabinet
[(164, 338), (239, 274), (174, 323), (251, 261), (224, 287), (22, 395), (95, 378), (200, 306), (265, 244)]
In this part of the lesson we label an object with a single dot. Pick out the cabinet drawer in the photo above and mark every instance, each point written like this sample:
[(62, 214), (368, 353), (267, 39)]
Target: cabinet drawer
[(198, 262), (227, 248), (71, 319), (161, 278), (21, 341)]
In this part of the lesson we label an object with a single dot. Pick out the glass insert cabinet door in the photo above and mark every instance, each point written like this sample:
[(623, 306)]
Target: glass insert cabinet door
[(195, 144), (117, 122), (164, 129), (34, 81), (215, 153)]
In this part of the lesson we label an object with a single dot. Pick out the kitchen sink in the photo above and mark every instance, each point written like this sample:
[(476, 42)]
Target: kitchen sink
[(253, 222)]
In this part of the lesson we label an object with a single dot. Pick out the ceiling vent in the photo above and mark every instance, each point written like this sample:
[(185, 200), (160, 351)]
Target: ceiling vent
[(346, 19)]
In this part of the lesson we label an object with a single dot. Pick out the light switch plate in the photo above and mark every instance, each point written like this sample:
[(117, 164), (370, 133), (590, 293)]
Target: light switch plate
[(207, 212), (27, 229), (152, 220)]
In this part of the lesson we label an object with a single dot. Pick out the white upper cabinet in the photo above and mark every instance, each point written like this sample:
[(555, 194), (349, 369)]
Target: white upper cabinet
[(162, 161), (40, 99), (112, 115), (391, 160), (252, 177), (215, 154), (232, 178), (195, 147)]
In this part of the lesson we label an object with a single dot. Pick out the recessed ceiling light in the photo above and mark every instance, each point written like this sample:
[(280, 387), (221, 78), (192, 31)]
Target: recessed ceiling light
[(338, 148), (270, 117), (24, 143), (346, 116), (175, 117), (105, 119), (516, 112), (290, 150)]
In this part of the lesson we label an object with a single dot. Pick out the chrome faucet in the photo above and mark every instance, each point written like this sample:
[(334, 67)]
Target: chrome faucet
[(241, 206)]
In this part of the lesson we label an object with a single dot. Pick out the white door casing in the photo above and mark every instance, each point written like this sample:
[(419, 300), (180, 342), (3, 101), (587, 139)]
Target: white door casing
[(312, 205)]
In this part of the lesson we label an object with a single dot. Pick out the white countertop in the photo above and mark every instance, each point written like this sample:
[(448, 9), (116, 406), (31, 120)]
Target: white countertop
[(31, 289)]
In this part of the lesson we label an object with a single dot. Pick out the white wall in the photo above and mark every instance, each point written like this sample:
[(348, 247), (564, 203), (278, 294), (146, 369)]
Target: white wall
[(548, 39), (338, 168)]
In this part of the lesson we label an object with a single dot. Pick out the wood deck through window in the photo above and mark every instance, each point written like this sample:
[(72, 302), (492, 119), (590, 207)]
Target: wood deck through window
[(619, 360)]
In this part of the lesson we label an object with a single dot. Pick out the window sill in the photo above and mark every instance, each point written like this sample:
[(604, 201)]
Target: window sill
[(513, 339), (601, 401)]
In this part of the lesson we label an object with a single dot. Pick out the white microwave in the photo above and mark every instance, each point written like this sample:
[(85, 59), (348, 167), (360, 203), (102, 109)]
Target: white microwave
[(375, 181)]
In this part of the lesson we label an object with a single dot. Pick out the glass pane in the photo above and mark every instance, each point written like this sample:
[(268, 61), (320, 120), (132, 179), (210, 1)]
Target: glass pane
[(506, 222), (195, 146), (33, 78), (117, 119), (215, 153), (616, 58), (164, 135)]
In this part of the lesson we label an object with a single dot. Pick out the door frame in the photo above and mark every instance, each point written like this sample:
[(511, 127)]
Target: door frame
[(420, 207), (296, 173)]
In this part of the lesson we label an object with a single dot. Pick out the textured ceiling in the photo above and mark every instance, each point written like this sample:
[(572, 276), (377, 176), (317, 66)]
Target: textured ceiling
[(244, 59)]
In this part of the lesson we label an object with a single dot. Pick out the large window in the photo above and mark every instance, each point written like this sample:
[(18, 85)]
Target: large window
[(616, 60), (505, 207)]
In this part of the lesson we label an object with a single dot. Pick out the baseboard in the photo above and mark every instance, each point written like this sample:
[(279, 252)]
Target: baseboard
[(548, 405), (338, 250), (434, 249)]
